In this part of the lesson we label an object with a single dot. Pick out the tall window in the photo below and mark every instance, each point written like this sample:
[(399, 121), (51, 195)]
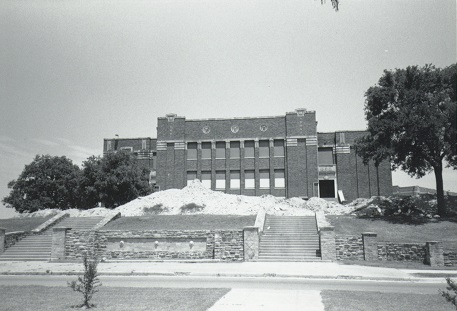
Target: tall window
[(234, 150), (143, 144), (249, 179), (235, 180), (220, 150), (249, 149), (206, 150), (264, 149), (109, 145), (220, 179), (280, 181), (206, 179), (191, 176), (278, 148), (325, 156), (191, 151), (264, 178)]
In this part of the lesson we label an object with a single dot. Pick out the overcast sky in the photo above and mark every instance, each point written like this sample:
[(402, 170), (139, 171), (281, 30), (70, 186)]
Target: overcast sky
[(75, 72)]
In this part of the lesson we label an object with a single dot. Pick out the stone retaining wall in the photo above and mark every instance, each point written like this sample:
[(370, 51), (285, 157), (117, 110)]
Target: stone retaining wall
[(450, 258), (12, 238), (349, 247), (156, 244), (414, 252)]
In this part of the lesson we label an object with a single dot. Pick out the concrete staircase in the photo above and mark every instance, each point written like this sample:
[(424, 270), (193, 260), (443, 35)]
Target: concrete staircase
[(80, 223), (289, 238), (38, 247)]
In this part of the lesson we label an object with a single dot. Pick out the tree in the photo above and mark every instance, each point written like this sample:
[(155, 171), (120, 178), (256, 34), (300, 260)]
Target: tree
[(89, 283), (47, 182), (115, 179), (451, 293), (335, 4), (411, 116)]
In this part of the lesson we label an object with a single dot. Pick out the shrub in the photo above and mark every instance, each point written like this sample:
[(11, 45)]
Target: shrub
[(191, 208), (89, 283), (154, 210), (451, 293), (407, 209)]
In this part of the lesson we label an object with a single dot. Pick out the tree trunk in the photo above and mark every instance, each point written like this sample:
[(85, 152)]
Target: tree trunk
[(439, 190)]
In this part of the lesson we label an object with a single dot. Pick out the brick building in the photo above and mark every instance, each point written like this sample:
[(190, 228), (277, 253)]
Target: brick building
[(281, 155)]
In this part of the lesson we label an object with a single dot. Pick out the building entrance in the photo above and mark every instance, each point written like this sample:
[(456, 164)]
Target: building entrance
[(327, 188)]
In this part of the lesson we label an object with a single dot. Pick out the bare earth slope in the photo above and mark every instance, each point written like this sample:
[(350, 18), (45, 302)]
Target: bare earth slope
[(196, 199)]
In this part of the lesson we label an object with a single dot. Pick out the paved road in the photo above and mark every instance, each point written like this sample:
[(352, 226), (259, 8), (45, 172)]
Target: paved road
[(236, 282)]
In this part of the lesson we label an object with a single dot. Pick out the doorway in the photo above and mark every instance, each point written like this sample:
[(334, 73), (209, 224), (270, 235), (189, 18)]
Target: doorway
[(327, 188)]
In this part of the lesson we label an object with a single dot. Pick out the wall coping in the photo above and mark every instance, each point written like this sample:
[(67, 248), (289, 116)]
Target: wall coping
[(14, 232), (369, 234), (321, 222), (50, 222), (260, 219), (327, 228), (61, 228), (106, 220)]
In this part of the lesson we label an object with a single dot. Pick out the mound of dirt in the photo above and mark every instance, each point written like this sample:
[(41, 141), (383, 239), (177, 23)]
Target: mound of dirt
[(196, 199)]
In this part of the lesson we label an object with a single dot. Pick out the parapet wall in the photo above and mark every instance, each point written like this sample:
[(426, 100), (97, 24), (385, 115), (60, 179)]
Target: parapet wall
[(225, 245), (366, 247)]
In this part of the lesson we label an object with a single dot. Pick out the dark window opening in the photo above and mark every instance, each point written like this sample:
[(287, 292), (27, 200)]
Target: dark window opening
[(327, 188)]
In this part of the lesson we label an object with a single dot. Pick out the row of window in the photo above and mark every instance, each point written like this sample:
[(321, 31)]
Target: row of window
[(235, 151), (235, 179), (109, 145)]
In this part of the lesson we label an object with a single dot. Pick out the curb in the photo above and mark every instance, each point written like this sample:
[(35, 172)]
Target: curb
[(232, 275)]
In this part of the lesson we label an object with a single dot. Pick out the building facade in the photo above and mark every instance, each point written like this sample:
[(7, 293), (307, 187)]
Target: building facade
[(283, 156)]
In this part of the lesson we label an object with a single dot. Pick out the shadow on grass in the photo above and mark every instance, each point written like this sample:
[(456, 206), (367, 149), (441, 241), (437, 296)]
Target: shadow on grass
[(409, 220)]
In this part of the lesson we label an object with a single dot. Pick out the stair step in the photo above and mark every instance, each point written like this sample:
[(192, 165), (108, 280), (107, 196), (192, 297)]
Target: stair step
[(288, 251)]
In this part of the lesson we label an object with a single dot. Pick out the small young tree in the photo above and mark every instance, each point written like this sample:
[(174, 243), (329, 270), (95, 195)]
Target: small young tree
[(89, 283), (451, 293)]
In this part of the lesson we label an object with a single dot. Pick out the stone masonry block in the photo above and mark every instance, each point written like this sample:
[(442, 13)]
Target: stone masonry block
[(2, 240), (434, 254), (58, 243), (251, 243), (370, 246), (327, 243)]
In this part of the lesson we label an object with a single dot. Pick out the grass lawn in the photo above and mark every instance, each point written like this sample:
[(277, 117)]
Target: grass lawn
[(375, 301), (22, 224), (445, 231), (36, 298), (181, 222)]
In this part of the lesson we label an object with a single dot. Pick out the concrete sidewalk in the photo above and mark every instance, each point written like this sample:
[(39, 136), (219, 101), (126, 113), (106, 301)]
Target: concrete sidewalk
[(248, 269), (269, 300)]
